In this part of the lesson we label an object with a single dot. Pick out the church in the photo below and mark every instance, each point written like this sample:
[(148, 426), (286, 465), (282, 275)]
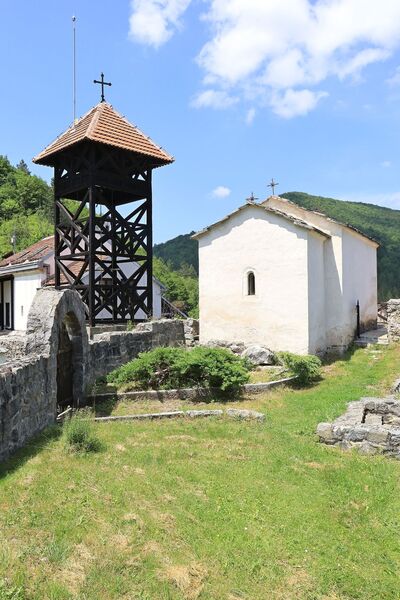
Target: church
[(289, 278)]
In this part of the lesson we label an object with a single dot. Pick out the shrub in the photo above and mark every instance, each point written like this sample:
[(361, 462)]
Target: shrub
[(169, 368), (307, 368), (79, 434)]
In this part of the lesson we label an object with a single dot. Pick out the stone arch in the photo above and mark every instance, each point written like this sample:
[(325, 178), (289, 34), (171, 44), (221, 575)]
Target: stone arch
[(56, 329)]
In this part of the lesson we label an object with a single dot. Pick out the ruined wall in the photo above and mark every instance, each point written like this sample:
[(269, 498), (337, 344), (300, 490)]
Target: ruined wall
[(111, 350), (28, 384), (26, 402), (393, 320)]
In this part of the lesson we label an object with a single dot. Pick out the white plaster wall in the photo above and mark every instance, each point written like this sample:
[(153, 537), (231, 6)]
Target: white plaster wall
[(26, 285), (276, 250), (359, 281), (350, 273), (316, 294)]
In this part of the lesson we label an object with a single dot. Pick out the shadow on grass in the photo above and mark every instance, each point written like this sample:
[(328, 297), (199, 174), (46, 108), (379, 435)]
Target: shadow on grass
[(330, 359), (30, 450), (105, 407)]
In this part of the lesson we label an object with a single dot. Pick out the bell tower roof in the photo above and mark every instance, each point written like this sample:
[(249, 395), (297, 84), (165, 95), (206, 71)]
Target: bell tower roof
[(104, 125)]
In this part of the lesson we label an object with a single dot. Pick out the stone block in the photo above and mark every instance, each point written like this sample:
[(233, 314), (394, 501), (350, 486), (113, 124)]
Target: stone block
[(325, 432), (377, 435), (259, 355), (366, 448), (357, 434)]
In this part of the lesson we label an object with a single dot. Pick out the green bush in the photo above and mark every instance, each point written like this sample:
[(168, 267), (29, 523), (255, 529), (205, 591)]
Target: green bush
[(307, 368), (79, 434), (169, 368)]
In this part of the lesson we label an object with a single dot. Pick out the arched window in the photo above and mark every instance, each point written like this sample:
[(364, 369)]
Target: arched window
[(251, 284)]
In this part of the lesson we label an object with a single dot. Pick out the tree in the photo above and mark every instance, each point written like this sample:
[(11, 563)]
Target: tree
[(6, 169), (22, 166)]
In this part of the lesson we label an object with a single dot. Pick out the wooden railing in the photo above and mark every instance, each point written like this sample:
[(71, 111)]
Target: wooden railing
[(170, 311)]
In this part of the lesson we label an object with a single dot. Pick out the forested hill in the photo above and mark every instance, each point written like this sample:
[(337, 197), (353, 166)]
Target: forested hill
[(381, 223), (26, 210), (179, 251), (378, 222)]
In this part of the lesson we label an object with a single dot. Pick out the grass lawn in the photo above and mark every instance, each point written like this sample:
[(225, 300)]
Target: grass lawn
[(210, 509)]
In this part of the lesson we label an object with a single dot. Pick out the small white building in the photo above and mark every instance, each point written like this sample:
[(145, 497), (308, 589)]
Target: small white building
[(24, 272), (286, 277)]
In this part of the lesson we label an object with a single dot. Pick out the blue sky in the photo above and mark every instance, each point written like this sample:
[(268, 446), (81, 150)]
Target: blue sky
[(239, 91)]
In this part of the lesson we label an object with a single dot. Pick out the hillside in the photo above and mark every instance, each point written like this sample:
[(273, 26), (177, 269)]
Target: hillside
[(378, 222), (26, 210), (179, 251)]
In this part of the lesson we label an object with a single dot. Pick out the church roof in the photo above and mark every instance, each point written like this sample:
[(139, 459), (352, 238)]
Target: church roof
[(32, 254), (279, 213), (321, 214), (103, 124)]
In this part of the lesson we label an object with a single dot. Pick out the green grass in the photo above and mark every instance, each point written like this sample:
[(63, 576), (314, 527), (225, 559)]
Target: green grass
[(210, 509)]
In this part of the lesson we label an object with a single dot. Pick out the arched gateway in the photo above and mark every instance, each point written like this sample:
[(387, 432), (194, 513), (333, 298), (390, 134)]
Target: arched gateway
[(57, 330)]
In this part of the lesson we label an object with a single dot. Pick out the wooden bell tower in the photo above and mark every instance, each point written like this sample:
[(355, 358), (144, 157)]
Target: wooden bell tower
[(103, 214)]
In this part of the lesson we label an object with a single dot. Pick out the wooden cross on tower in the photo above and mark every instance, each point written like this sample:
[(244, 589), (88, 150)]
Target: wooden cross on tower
[(273, 185), (102, 83)]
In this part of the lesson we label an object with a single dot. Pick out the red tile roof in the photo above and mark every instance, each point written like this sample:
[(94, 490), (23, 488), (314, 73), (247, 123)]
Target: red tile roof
[(105, 125), (31, 254)]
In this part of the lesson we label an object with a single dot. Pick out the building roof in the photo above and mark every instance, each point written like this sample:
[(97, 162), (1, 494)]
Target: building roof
[(279, 213), (40, 250), (105, 125), (321, 214), (32, 254)]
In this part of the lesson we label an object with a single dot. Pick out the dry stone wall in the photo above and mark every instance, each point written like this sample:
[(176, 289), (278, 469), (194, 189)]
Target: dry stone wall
[(26, 402), (28, 383), (393, 320)]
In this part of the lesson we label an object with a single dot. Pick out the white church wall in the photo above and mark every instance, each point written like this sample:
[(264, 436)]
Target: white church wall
[(26, 285), (359, 281), (350, 274), (276, 250), (316, 294)]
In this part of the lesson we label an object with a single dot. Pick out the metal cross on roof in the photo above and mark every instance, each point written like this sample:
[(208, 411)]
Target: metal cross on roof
[(251, 199), (102, 83), (273, 185)]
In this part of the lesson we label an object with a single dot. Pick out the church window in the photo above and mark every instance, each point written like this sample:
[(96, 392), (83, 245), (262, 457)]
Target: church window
[(251, 284)]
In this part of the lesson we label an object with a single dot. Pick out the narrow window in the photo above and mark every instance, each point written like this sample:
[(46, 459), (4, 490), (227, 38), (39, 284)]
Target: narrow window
[(251, 284)]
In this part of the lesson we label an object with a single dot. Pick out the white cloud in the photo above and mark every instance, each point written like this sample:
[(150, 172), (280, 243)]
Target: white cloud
[(278, 53), (214, 99), (251, 113), (153, 22), (295, 103), (221, 191)]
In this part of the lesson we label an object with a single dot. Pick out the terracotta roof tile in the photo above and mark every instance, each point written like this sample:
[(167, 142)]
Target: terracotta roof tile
[(31, 254), (105, 125)]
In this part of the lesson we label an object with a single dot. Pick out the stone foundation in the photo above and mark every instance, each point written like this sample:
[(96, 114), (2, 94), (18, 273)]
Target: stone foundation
[(371, 425)]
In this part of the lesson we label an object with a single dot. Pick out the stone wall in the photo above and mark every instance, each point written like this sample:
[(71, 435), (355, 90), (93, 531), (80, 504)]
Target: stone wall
[(26, 402), (370, 425), (28, 384), (108, 351), (393, 320)]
